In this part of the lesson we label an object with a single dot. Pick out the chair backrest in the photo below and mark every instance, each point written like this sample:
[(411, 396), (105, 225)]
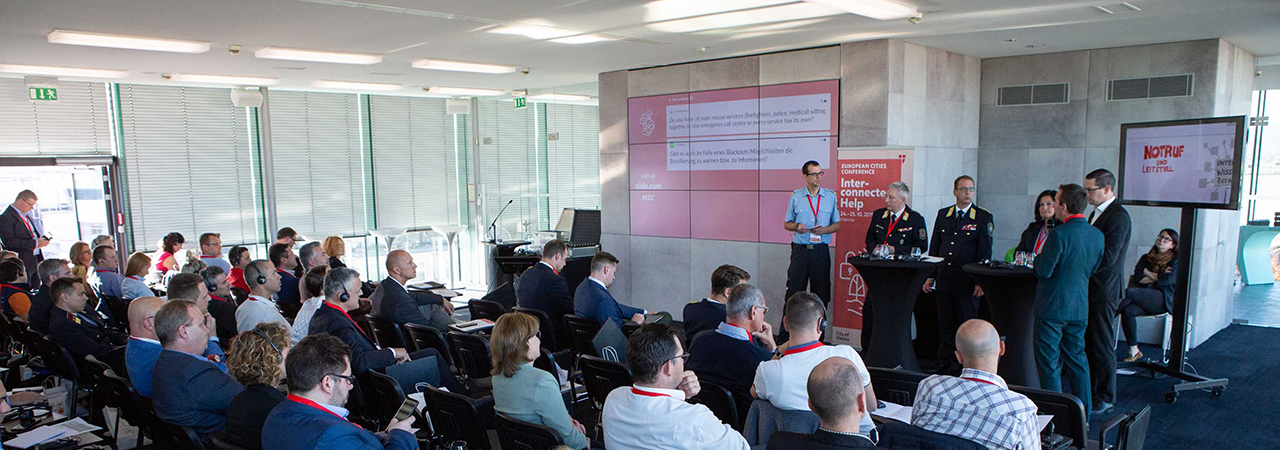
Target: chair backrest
[(58, 360), (582, 333), (474, 360), (504, 295), (764, 419), (386, 332), (630, 327), (166, 434), (720, 401), (894, 434), (388, 392), (1067, 411), (457, 417), (116, 309), (896, 386), (550, 339), (239, 295), (219, 442), (516, 434), (1133, 436), (602, 376), (484, 309), (118, 391), (421, 337)]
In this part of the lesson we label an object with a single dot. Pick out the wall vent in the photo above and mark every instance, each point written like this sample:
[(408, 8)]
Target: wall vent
[(1039, 94), (1153, 87)]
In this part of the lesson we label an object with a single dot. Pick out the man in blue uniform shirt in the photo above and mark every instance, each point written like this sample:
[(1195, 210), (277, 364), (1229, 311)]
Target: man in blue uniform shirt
[(811, 218), (706, 314)]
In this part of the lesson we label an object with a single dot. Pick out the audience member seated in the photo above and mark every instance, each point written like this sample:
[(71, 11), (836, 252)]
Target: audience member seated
[(239, 260), (287, 298), (134, 285), (189, 262), (314, 285), (188, 389), (211, 251), (311, 256), (836, 394), (221, 306), (1150, 289), (104, 279), (522, 391), (144, 348), (778, 381), (81, 332), (541, 286), (978, 405), (41, 302), (730, 355), (14, 297), (593, 300), (654, 412), (191, 286), (341, 290), (256, 360), (313, 417), (81, 257), (392, 301), (335, 248), (167, 257), (103, 239), (708, 313), (264, 282), (291, 238)]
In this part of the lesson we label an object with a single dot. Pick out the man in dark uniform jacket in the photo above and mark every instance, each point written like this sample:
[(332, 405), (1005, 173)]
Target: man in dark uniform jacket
[(41, 302), (706, 314), (82, 333), (19, 234), (542, 288), (1106, 287), (896, 225), (962, 234)]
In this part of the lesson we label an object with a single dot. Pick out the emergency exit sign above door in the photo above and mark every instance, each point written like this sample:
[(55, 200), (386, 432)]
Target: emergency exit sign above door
[(43, 93)]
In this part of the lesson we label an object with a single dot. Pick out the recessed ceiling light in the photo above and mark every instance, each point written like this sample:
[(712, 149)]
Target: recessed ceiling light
[(297, 54), (783, 13), (875, 9), (582, 39), (661, 10), (63, 71), (464, 91), (222, 79), (129, 42), (533, 31), (461, 66), (357, 85), (560, 97)]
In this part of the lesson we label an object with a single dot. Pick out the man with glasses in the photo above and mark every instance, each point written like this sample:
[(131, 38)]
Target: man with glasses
[(20, 233), (655, 412), (812, 216), (211, 251), (1106, 287), (187, 388), (962, 234), (896, 226), (729, 355), (313, 416)]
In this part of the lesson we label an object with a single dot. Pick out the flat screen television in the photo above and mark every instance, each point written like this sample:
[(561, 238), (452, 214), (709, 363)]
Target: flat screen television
[(1191, 163)]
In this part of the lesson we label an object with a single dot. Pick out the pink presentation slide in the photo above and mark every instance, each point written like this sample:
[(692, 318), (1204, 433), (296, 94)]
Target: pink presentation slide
[(724, 215), (660, 213)]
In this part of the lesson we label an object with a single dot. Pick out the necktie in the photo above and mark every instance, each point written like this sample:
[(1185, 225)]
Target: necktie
[(1091, 216)]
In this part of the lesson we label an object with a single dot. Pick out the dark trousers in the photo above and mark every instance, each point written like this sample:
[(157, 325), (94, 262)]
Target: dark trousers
[(424, 366), (1139, 301), (954, 308), (810, 270), (1100, 348), (1059, 347)]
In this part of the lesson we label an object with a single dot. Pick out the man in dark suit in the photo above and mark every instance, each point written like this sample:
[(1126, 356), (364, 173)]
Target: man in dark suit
[(1068, 258), (392, 301), (729, 355), (962, 234), (41, 302), (1106, 287), (541, 286), (836, 396), (897, 225), (312, 417), (289, 299), (18, 233), (707, 313), (82, 333), (187, 389), (593, 300)]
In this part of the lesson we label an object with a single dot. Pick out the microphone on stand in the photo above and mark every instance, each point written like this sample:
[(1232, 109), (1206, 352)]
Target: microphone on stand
[(494, 226)]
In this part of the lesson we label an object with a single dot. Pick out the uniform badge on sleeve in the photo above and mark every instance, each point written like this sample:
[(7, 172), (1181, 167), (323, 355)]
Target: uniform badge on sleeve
[(991, 229), (922, 235)]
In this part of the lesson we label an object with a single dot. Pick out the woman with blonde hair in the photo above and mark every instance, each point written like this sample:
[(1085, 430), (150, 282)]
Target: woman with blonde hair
[(522, 391), (132, 286), (256, 360), (81, 258), (336, 248)]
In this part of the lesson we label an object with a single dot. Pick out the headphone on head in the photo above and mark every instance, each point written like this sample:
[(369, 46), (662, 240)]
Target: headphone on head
[(265, 338), (822, 323), (261, 279), (345, 296), (209, 284)]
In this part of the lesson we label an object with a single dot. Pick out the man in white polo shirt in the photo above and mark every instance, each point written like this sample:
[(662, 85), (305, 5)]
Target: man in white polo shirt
[(654, 412), (782, 380)]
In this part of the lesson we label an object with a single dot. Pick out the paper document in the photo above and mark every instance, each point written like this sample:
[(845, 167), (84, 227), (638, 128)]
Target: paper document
[(446, 293), (1043, 421), (36, 436), (894, 411)]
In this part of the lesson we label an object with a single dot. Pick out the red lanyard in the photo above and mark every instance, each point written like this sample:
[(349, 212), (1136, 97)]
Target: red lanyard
[(1074, 216), (103, 270), (980, 381), (647, 393), (30, 228), (815, 208), (749, 338), (217, 298), (10, 286), (315, 405), (1044, 234), (802, 348), (891, 227), (136, 277), (353, 321)]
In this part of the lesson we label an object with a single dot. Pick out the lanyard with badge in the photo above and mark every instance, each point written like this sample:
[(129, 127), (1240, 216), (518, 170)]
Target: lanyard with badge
[(815, 238)]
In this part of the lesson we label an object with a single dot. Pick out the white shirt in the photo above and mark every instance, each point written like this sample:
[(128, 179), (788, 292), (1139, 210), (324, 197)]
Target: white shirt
[(663, 420), (784, 381), (257, 310), (960, 212), (302, 322), (1097, 211)]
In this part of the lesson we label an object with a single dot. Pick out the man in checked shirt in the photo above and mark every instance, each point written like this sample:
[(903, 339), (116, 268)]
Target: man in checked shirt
[(977, 405)]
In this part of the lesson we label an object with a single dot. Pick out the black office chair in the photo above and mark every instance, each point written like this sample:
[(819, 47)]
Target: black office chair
[(388, 392), (165, 434), (474, 359), (239, 295), (421, 337), (1067, 411), (485, 309), (504, 295), (630, 327), (601, 376), (60, 362), (894, 434), (896, 386), (1131, 431), (386, 332), (550, 338), (118, 392), (516, 434), (219, 442), (116, 310), (458, 418), (582, 333), (720, 401)]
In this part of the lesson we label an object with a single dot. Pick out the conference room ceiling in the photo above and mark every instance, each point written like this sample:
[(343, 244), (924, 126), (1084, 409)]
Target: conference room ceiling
[(642, 33)]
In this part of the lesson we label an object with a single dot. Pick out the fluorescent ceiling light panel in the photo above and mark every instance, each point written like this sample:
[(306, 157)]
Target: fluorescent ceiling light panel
[(129, 42), (875, 9), (461, 66), (465, 91), (297, 54), (533, 31), (223, 79), (560, 97), (661, 10), (357, 86), (62, 71), (582, 39), (783, 13)]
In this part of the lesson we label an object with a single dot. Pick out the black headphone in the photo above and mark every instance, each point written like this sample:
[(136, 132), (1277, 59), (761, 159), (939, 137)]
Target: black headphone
[(264, 337), (209, 284), (262, 279), (822, 323), (344, 296)]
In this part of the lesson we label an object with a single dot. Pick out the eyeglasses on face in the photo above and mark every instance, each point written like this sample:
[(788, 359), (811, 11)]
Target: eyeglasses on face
[(351, 379), (682, 357), (967, 189), (817, 174)]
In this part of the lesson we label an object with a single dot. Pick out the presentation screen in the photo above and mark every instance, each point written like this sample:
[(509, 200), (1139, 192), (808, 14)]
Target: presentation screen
[(722, 164), (1184, 163)]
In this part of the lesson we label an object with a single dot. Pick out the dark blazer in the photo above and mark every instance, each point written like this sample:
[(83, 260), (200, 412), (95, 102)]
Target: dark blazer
[(288, 294), (191, 391), (700, 316), (336, 263), (83, 335), (1069, 257), (960, 240), (224, 311), (1165, 281), (393, 302), (15, 237), (1029, 235), (728, 362), (594, 301), (244, 428), (295, 426), (819, 440), (542, 289), (1107, 284), (41, 309), (908, 233), (364, 355)]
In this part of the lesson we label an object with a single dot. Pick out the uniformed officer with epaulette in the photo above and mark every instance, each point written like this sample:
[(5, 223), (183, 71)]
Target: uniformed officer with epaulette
[(962, 234), (897, 226), (812, 216), (79, 331)]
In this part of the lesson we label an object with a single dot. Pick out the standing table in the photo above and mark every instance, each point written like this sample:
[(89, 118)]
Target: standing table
[(892, 288), (1011, 293)]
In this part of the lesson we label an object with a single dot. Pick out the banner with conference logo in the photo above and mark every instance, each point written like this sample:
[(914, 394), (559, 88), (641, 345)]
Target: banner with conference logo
[(863, 176)]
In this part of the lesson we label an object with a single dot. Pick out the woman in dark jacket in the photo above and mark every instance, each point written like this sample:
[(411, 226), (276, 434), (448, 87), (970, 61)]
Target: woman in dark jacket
[(1036, 233), (256, 360), (1150, 288)]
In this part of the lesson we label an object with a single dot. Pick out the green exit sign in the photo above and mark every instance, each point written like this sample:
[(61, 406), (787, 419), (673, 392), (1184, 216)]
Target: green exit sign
[(520, 102), (45, 94)]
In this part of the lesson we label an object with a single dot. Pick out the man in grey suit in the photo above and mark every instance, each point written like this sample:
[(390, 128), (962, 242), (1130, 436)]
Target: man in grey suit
[(1106, 287), (392, 301), (1069, 257)]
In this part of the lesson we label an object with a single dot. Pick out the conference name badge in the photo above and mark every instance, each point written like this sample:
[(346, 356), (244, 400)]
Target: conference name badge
[(815, 238)]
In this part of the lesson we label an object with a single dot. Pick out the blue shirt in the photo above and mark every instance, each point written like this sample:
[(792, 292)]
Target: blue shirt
[(140, 356), (800, 211), (106, 282)]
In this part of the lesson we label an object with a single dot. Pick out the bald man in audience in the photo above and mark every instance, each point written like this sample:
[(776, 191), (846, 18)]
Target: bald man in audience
[(977, 405), (837, 397), (144, 346), (393, 301)]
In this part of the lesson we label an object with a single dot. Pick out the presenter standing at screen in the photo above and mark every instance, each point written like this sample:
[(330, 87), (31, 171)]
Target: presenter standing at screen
[(811, 218)]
